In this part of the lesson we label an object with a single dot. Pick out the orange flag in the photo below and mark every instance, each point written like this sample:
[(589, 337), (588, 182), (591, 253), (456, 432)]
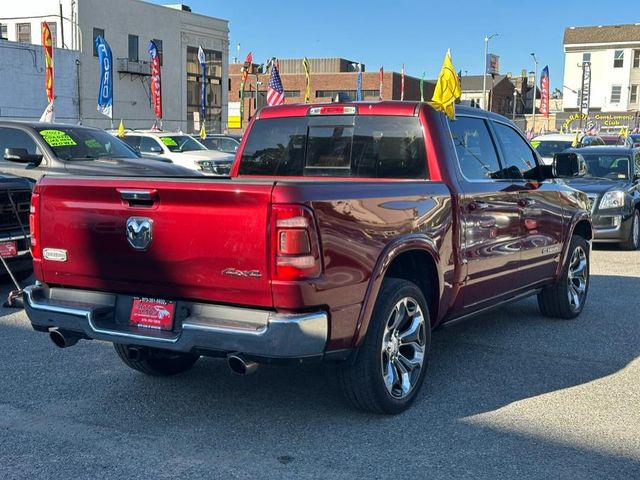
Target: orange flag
[(47, 44)]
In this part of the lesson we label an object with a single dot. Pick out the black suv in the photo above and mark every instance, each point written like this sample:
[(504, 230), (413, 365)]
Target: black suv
[(15, 199), (611, 183)]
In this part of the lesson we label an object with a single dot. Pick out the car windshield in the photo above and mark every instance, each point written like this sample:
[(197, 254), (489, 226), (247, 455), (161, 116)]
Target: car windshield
[(76, 143), (607, 166), (548, 148), (181, 143)]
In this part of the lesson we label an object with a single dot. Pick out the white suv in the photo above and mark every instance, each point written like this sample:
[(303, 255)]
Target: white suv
[(181, 149)]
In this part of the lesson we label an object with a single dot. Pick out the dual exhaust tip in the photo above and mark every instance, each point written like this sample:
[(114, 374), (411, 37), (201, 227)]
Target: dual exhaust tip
[(237, 363)]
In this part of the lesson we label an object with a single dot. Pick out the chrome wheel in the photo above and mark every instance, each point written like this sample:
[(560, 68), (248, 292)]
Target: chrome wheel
[(403, 347), (577, 278)]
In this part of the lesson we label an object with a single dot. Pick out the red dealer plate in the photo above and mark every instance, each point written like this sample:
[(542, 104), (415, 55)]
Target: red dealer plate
[(8, 249), (152, 313)]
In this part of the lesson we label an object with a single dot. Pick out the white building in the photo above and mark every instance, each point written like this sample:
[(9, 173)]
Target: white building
[(614, 54), (128, 26)]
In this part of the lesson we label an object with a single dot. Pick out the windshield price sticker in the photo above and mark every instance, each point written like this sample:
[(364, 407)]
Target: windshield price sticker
[(57, 138), (169, 142)]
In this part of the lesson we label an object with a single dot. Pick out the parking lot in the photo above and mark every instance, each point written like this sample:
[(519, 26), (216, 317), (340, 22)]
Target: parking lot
[(509, 394)]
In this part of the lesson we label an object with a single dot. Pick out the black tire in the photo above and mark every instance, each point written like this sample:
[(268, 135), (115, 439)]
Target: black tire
[(566, 298), (633, 242), (157, 362), (363, 379)]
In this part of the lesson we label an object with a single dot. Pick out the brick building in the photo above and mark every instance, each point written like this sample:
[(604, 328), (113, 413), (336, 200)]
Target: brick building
[(500, 96), (328, 77)]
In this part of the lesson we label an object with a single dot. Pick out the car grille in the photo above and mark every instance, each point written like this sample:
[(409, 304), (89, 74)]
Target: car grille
[(222, 169), (22, 202)]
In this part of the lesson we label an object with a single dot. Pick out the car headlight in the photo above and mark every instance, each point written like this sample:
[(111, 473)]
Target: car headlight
[(612, 199)]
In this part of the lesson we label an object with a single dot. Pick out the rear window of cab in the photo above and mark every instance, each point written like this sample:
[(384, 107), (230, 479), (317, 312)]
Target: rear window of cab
[(336, 146)]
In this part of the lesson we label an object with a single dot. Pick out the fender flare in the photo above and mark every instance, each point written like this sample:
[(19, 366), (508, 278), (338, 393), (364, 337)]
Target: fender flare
[(580, 216), (391, 251)]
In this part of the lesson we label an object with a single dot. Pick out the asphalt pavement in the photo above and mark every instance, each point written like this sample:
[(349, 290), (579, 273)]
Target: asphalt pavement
[(509, 394)]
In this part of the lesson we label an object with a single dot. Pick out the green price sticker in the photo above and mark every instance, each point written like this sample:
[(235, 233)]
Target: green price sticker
[(57, 138), (169, 142), (93, 143), (535, 144)]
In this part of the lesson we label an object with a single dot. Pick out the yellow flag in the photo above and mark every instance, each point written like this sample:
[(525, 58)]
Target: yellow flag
[(447, 88), (121, 129), (624, 131), (576, 140), (307, 71), (203, 132)]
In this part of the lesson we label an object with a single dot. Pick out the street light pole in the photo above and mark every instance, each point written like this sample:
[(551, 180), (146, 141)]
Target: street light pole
[(515, 96), (535, 79), (484, 70)]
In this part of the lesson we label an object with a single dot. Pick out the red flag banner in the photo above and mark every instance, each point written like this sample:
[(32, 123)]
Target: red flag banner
[(402, 84), (156, 82), (381, 82), (47, 45), (544, 92)]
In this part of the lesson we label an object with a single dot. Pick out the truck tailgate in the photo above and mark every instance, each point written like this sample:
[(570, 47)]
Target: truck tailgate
[(209, 238)]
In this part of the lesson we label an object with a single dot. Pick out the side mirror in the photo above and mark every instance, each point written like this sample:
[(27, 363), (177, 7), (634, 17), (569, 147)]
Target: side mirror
[(569, 165), (20, 155)]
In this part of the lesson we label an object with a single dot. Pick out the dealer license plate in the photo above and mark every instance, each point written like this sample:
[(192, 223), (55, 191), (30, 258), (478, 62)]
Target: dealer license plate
[(152, 313), (8, 249)]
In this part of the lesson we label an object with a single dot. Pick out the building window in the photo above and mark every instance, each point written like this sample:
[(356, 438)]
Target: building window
[(618, 57), (53, 28), (97, 32), (159, 47), (633, 97), (133, 48), (616, 90), (3, 32), (351, 93), (23, 32), (636, 59), (586, 57)]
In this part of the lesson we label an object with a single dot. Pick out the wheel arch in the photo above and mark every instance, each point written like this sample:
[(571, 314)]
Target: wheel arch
[(413, 258), (580, 225)]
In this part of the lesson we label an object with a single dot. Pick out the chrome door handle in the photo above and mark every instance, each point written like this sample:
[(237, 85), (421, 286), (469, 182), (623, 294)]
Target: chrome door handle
[(488, 223)]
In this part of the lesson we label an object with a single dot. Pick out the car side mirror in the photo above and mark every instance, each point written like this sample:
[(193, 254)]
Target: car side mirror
[(569, 165), (20, 155)]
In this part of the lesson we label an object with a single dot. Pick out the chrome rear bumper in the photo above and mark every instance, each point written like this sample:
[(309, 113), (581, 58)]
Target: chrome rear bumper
[(197, 326)]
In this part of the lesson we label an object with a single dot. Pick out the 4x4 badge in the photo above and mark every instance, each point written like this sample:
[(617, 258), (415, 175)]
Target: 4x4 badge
[(139, 232)]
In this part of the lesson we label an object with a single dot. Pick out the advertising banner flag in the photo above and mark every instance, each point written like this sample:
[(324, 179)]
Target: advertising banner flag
[(447, 89), (156, 82), (544, 91), (359, 84), (105, 94), (307, 74), (202, 59), (586, 87), (47, 45), (492, 66), (422, 87), (402, 84), (381, 82)]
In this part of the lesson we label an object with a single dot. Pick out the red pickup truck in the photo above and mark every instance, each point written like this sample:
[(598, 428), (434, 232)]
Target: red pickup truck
[(346, 233)]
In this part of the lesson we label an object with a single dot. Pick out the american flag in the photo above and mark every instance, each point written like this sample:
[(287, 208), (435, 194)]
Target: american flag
[(275, 92)]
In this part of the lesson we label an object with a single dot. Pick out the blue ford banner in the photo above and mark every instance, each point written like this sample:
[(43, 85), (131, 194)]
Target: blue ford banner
[(105, 95), (203, 86)]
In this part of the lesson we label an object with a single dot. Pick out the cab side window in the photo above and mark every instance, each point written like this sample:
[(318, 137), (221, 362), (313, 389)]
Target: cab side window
[(637, 170), (149, 145), (519, 158), (14, 138), (474, 146)]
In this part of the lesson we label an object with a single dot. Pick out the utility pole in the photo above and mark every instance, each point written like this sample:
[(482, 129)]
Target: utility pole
[(484, 69), (535, 77), (515, 96)]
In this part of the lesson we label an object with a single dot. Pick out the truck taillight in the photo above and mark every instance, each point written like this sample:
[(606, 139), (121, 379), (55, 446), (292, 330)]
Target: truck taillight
[(34, 225), (294, 243)]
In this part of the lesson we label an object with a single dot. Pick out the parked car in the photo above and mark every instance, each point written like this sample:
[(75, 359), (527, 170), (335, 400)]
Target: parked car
[(181, 149), (611, 182), (32, 149), (550, 144), (612, 139), (345, 234), (15, 199), (222, 142), (634, 140)]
